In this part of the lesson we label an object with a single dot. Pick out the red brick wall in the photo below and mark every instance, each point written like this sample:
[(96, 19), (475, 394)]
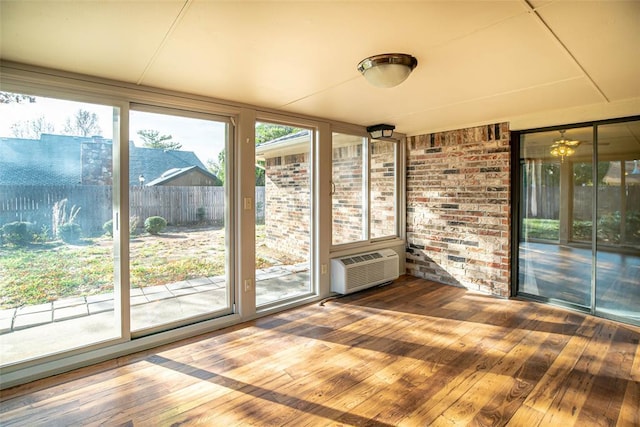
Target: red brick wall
[(287, 207), (347, 218), (287, 197), (458, 208), (383, 184)]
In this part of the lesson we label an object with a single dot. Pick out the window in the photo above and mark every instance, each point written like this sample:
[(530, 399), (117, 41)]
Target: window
[(283, 212), (383, 189), (91, 211), (57, 268), (364, 189), (349, 189), (580, 219), (178, 219)]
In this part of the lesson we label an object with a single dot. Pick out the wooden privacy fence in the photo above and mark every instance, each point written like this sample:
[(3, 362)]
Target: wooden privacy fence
[(178, 205), (548, 201)]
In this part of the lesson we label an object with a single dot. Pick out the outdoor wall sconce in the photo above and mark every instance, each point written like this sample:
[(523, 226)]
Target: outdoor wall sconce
[(388, 69), (563, 147), (380, 131)]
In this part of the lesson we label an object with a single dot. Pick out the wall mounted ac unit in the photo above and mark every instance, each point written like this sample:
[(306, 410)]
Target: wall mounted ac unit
[(356, 272)]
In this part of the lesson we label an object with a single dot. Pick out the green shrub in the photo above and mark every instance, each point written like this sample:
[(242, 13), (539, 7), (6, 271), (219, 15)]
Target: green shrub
[(609, 227), (42, 236), (133, 225), (582, 230), (200, 214), (69, 232), (134, 221), (17, 233), (108, 227), (155, 224)]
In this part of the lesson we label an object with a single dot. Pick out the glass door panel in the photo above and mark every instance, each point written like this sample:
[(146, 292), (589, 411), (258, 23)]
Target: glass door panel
[(179, 210), (56, 239), (582, 223), (550, 265), (283, 212), (618, 221)]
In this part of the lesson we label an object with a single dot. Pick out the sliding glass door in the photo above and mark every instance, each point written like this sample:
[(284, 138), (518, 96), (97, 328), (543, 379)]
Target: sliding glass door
[(579, 225), (618, 221), (283, 213), (58, 288), (551, 201), (178, 218)]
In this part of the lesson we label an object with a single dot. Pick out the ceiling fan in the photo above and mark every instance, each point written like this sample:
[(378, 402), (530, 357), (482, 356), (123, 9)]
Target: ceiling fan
[(564, 147)]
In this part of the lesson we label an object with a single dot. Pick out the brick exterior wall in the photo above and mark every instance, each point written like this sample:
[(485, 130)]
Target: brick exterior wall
[(346, 202), (287, 207), (458, 208), (287, 204), (383, 184)]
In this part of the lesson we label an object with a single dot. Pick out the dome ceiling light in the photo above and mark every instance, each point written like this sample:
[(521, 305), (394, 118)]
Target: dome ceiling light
[(387, 70)]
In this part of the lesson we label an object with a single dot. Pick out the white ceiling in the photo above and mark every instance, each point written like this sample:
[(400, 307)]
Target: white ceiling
[(533, 62)]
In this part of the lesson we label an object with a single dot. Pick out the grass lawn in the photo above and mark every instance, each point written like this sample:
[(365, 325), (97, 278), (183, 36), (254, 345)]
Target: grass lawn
[(534, 228), (43, 272)]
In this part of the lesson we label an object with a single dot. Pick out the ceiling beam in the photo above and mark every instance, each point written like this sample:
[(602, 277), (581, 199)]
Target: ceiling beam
[(533, 11), (173, 26)]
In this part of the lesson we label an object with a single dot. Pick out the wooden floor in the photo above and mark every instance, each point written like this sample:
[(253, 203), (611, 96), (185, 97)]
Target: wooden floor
[(412, 354)]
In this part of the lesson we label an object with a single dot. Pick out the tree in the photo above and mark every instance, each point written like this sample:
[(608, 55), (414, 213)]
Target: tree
[(218, 168), (267, 132), (264, 132), (10, 98), (32, 129), (583, 173), (152, 139), (84, 123)]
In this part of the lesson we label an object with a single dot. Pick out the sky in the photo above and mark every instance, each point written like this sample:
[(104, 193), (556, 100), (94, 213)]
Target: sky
[(205, 138)]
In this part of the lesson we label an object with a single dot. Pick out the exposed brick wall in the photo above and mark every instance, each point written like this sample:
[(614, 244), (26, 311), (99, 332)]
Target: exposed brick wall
[(383, 184), (287, 207), (458, 208), (347, 198)]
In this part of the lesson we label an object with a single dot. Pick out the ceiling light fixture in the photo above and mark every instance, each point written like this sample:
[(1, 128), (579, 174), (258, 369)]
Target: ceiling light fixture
[(563, 147), (380, 131), (388, 69)]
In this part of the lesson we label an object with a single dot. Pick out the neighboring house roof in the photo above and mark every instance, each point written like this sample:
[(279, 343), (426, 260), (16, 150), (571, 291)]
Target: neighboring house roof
[(288, 144), (153, 162), (172, 174), (56, 160), (53, 160)]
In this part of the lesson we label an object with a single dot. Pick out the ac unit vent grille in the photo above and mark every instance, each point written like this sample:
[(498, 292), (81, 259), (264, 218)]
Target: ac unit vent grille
[(360, 258), (357, 272)]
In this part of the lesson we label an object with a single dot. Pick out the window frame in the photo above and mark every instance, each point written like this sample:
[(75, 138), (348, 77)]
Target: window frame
[(369, 243)]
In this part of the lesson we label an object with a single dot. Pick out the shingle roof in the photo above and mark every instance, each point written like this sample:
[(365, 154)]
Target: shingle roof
[(172, 174), (55, 160), (153, 162)]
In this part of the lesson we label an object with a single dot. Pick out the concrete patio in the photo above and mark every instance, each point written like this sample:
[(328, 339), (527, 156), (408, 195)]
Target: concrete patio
[(71, 322)]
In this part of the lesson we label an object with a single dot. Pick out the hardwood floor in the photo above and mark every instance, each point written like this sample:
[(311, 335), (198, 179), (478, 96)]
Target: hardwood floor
[(414, 353)]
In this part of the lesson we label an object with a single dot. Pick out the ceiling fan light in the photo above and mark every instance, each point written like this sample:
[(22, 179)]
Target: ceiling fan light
[(387, 70)]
